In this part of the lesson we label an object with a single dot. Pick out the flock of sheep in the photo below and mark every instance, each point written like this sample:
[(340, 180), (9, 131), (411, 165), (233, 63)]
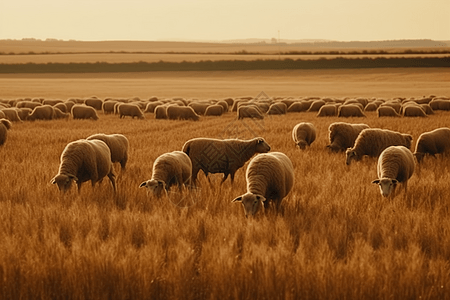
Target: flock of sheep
[(269, 175)]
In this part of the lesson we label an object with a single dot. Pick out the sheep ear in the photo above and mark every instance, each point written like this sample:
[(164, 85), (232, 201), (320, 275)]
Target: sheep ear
[(143, 184), (376, 181), (238, 199), (160, 182), (394, 181), (260, 198), (53, 181)]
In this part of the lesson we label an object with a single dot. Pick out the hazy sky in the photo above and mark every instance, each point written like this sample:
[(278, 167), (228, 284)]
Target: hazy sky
[(343, 20)]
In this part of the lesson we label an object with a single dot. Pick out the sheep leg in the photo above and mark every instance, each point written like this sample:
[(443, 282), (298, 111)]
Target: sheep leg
[(112, 178)]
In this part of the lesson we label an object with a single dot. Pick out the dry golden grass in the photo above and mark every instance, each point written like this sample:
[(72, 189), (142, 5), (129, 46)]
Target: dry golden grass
[(388, 83), (336, 237)]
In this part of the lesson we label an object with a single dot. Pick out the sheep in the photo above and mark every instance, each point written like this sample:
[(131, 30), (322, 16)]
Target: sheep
[(433, 142), (118, 145), (249, 112), (224, 104), (350, 110), (214, 110), (108, 107), (328, 110), (277, 109), (84, 112), (173, 168), (440, 104), (94, 102), (373, 141), (427, 108), (301, 106), (28, 104), (5, 125), (150, 108), (131, 110), (222, 156), (84, 160), (175, 112), (62, 107), (199, 107), (394, 104), (316, 105), (395, 165), (270, 177), (59, 114), (413, 111), (161, 112), (23, 113), (343, 135), (387, 111), (371, 107), (69, 106), (11, 114), (44, 112), (304, 134)]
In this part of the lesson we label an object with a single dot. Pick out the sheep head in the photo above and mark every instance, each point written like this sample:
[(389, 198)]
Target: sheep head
[(64, 181), (351, 155), (252, 203), (387, 186), (262, 146), (302, 145), (157, 187)]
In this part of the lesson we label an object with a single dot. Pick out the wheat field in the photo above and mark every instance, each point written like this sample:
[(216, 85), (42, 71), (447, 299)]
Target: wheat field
[(335, 238)]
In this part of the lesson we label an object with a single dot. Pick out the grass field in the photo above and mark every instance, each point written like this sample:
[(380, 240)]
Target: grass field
[(336, 237)]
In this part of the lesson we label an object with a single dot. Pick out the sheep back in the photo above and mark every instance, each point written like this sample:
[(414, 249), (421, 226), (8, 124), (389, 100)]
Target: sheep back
[(270, 177), (304, 134), (395, 165), (118, 145), (343, 135)]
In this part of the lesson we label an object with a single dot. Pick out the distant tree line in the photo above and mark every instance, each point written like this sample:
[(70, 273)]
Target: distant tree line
[(230, 65)]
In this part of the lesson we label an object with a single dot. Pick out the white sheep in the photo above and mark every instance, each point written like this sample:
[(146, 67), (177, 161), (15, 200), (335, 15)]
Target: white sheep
[(222, 156), (373, 141), (84, 160), (118, 145), (395, 165), (350, 110), (5, 125), (270, 177), (343, 135), (173, 168), (84, 112), (304, 134), (433, 142)]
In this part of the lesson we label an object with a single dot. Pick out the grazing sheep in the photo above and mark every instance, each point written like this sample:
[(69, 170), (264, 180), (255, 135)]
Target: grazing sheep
[(44, 112), (84, 112), (69, 106), (270, 177), (301, 106), (343, 135), (62, 107), (394, 104), (199, 107), (5, 125), (316, 105), (161, 112), (118, 145), (214, 110), (427, 108), (433, 142), (350, 110), (224, 104), (132, 110), (94, 102), (249, 112), (328, 110), (395, 165), (150, 108), (59, 114), (28, 104), (371, 107), (175, 112), (387, 111), (23, 113), (11, 114), (373, 141), (304, 134), (108, 107), (439, 104), (169, 169), (413, 111), (277, 109), (84, 160), (222, 156)]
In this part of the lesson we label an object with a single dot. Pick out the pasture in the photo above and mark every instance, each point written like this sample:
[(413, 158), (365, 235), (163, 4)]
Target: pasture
[(335, 238)]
